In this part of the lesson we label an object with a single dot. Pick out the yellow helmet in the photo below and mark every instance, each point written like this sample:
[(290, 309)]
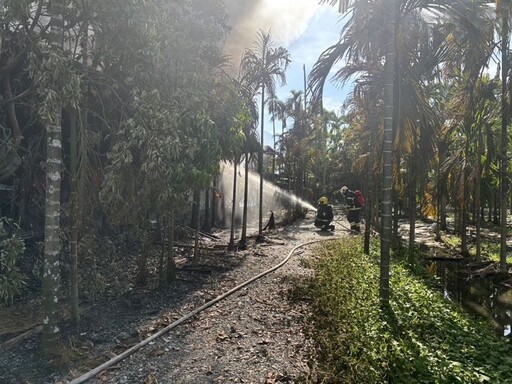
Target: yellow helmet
[(323, 201)]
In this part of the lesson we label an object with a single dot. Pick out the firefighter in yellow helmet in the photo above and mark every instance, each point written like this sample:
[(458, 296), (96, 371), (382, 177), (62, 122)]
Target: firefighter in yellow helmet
[(324, 215)]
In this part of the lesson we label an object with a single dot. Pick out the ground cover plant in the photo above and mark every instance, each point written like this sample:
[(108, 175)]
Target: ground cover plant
[(419, 338)]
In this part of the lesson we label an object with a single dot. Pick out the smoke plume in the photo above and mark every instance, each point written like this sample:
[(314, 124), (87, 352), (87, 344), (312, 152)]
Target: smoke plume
[(286, 20)]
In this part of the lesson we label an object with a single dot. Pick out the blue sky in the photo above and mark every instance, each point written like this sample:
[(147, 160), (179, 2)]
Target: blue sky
[(304, 27), (322, 30)]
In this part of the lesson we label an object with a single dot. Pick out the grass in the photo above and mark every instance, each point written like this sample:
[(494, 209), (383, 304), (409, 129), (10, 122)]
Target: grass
[(490, 245), (419, 338), (490, 249)]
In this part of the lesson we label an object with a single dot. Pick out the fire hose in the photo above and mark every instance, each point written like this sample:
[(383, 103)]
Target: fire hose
[(93, 372)]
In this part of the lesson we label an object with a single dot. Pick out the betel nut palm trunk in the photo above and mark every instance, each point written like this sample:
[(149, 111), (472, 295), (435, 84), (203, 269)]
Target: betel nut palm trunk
[(52, 243)]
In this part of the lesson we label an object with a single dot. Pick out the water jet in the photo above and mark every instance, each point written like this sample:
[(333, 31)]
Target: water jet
[(275, 199)]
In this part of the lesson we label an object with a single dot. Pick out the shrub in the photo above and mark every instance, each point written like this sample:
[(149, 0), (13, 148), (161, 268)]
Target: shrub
[(12, 280), (420, 338)]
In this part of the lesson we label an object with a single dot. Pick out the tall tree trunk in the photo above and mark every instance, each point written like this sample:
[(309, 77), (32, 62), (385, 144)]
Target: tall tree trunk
[(504, 8), (478, 180), (437, 196), (370, 181), (464, 223), (324, 148), (464, 207), (260, 161), (395, 222), (171, 264), (412, 205), (162, 233), (144, 235), (231, 245), (207, 225), (2, 22), (441, 191), (443, 211), (274, 150), (387, 149), (397, 206), (52, 243), (214, 212), (197, 218), (243, 237), (491, 204), (195, 209), (74, 214)]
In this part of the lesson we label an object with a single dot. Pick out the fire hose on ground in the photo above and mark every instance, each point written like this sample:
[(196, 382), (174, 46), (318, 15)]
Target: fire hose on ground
[(93, 372)]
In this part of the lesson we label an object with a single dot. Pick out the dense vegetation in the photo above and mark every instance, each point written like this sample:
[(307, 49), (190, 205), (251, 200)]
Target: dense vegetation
[(115, 118), (419, 338)]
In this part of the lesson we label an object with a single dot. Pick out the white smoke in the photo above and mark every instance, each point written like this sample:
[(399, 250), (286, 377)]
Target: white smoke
[(286, 20)]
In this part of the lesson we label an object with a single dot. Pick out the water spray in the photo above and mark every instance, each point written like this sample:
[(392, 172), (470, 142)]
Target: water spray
[(273, 196)]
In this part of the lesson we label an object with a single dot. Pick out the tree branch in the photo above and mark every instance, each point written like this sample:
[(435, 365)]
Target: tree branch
[(11, 112), (20, 96), (37, 15)]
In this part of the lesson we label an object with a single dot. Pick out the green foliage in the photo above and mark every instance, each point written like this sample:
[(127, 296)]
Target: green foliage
[(421, 338), (491, 250), (56, 81), (12, 280), (351, 340), (179, 111), (158, 157)]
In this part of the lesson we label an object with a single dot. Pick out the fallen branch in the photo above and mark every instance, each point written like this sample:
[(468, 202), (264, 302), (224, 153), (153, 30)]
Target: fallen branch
[(213, 237), (215, 248), (23, 336)]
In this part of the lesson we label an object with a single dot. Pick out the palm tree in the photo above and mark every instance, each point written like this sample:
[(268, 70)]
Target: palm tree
[(330, 124), (387, 148), (264, 64), (277, 109), (79, 167), (471, 112), (503, 10), (231, 245), (359, 51), (363, 47), (297, 135), (246, 91), (52, 242)]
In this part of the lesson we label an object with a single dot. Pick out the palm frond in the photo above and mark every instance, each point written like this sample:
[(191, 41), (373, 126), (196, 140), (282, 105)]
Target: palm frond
[(320, 72), (343, 5)]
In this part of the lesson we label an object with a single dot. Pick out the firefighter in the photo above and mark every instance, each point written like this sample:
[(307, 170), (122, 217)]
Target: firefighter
[(324, 215), (354, 203)]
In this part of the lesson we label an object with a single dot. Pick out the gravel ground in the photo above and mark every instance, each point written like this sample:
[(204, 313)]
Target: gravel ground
[(256, 335)]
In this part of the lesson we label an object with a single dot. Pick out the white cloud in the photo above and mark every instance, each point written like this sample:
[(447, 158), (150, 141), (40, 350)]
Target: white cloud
[(323, 30), (304, 27), (286, 19)]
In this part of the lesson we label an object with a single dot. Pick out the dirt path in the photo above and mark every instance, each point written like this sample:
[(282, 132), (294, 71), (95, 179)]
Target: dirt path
[(254, 336)]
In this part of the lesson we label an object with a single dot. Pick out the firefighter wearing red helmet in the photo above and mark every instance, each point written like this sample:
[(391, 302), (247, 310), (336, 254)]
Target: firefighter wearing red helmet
[(354, 203)]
